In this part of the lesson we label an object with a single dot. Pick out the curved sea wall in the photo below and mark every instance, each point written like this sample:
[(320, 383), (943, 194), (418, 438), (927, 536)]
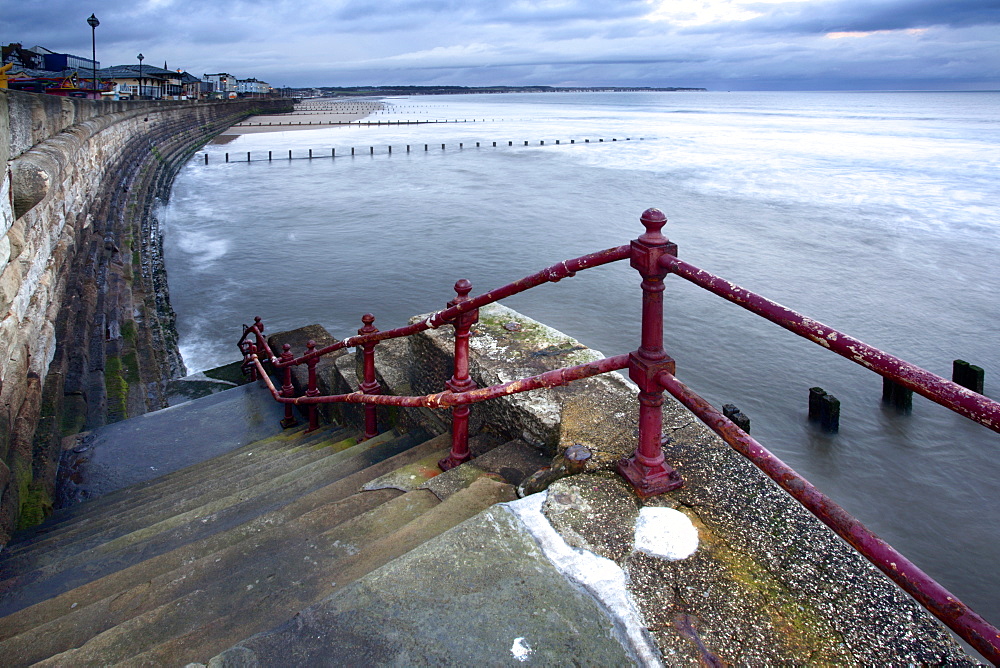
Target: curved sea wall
[(86, 329)]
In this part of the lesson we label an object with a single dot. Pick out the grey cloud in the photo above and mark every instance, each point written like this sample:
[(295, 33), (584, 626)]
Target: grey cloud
[(490, 11), (866, 15), (577, 42)]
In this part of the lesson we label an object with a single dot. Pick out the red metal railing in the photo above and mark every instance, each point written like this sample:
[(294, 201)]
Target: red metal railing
[(654, 257), (971, 404), (977, 631)]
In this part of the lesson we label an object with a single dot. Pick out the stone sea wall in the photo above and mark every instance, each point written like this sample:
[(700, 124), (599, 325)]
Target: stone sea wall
[(86, 329)]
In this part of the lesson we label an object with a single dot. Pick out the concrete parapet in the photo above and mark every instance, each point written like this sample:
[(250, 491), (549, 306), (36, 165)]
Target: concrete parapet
[(506, 345)]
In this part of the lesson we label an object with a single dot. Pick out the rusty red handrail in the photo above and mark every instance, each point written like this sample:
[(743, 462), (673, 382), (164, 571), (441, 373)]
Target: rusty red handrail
[(939, 601), (654, 256), (951, 395), (448, 398)]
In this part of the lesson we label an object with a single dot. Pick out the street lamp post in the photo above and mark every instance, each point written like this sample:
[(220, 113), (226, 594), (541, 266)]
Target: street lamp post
[(140, 57), (93, 22)]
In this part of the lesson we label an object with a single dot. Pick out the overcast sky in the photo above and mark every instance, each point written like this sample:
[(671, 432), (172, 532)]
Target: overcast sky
[(716, 44)]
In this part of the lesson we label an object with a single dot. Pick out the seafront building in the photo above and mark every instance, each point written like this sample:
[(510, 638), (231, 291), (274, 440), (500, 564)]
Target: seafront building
[(252, 87), (41, 70), (45, 60), (225, 84)]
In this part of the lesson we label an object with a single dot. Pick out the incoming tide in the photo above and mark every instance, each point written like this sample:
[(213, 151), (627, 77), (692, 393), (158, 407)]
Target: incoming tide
[(875, 213)]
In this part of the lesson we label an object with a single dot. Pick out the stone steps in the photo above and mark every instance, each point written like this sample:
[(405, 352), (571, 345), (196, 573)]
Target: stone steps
[(204, 596), (199, 500), (266, 452), (335, 572), (105, 591), (58, 570), (179, 568)]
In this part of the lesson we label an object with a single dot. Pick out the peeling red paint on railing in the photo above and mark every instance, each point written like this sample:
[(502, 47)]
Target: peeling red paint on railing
[(972, 405), (939, 601), (448, 399)]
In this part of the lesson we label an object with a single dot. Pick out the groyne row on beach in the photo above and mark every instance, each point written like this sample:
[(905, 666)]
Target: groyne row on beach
[(376, 123), (315, 154)]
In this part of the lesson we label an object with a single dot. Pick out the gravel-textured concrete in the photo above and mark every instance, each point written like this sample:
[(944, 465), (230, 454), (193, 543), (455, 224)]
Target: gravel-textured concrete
[(781, 592)]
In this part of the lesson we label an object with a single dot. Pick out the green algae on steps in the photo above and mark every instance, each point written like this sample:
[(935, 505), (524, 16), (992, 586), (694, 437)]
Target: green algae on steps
[(534, 336), (117, 389)]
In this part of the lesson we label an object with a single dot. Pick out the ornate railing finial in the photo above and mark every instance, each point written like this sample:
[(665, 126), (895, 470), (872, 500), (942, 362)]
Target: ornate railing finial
[(653, 220), (646, 470)]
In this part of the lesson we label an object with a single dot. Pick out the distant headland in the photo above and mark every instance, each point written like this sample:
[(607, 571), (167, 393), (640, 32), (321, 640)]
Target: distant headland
[(348, 91)]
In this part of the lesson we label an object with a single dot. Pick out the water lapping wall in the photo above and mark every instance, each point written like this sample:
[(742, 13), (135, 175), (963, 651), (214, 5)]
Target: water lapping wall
[(86, 329)]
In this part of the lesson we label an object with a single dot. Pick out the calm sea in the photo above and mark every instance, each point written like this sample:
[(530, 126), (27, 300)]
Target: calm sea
[(875, 213)]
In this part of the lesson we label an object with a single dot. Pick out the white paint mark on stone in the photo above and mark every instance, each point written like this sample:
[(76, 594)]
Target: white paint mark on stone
[(601, 577), (665, 533), (521, 650)]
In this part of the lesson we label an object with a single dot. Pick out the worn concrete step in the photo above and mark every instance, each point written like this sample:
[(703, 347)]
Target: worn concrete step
[(148, 510), (172, 439), (204, 383), (264, 570), (78, 568), (84, 618), (125, 497), (264, 593), (251, 467), (236, 470), (277, 441), (98, 602), (482, 593)]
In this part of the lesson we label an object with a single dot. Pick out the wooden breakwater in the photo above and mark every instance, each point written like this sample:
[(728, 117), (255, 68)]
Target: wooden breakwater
[(312, 154)]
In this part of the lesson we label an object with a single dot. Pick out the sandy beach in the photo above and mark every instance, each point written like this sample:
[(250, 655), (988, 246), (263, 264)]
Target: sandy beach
[(308, 115)]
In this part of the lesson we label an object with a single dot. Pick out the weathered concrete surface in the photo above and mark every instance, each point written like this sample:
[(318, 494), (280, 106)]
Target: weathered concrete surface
[(481, 594), (596, 412), (772, 587), (768, 574)]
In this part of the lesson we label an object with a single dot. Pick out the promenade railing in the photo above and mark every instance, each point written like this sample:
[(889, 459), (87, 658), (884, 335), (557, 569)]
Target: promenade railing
[(651, 368)]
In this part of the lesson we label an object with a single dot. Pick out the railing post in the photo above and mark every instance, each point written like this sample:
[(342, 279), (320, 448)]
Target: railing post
[(312, 389), (645, 470), (248, 367), (460, 381), (370, 384), (287, 388), (258, 325)]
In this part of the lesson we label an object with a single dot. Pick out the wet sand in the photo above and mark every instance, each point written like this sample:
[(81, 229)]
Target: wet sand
[(308, 115)]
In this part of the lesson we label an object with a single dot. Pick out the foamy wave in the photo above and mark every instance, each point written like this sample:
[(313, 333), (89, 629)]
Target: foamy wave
[(205, 248)]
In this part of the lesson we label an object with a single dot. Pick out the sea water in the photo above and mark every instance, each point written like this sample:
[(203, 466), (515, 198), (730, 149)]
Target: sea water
[(875, 213)]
